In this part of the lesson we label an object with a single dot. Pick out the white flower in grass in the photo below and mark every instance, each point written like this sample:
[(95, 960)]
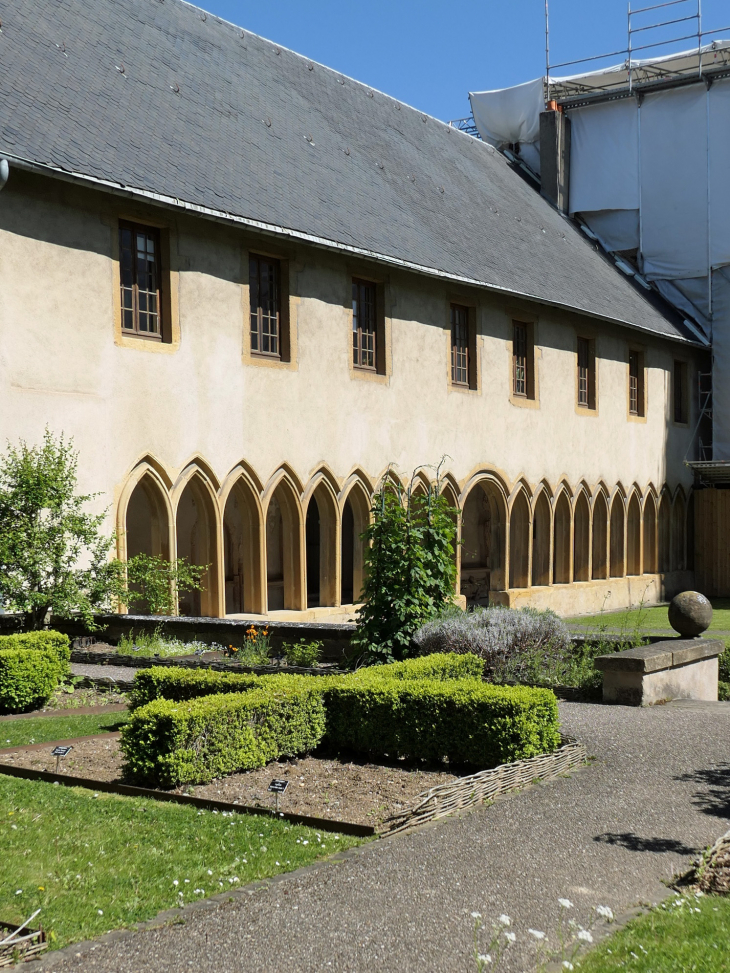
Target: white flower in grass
[(100, 911), (568, 965), (484, 958), (585, 936), (536, 933), (19, 892), (510, 937), (604, 912), (505, 920), (476, 915), (175, 881), (565, 903)]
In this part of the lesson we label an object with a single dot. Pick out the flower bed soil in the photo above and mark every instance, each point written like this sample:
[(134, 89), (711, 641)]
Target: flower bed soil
[(324, 787)]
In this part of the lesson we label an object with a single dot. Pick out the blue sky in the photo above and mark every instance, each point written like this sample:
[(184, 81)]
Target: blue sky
[(430, 53)]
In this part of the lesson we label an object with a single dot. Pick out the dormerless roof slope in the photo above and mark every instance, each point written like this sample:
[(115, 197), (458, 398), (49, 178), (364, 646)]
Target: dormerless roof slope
[(160, 97)]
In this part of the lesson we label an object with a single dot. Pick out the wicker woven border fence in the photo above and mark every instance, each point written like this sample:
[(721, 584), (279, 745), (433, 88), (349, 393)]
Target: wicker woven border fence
[(475, 789)]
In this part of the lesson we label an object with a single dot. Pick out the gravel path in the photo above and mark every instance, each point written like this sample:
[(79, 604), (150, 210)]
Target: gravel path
[(657, 791), (119, 675)]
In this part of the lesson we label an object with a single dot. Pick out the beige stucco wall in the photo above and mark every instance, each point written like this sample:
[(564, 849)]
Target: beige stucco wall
[(62, 364)]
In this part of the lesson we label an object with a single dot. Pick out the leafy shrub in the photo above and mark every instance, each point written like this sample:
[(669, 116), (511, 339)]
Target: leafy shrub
[(723, 690), (170, 743), (303, 653), (179, 685), (410, 570), (55, 643), (28, 677), (465, 720), (723, 661), (447, 665), (154, 584)]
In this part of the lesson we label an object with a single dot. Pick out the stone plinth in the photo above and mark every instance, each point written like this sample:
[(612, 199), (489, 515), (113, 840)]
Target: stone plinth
[(675, 669)]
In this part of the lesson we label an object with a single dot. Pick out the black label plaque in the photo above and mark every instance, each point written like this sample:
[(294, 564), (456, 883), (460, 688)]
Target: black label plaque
[(60, 751), (278, 786)]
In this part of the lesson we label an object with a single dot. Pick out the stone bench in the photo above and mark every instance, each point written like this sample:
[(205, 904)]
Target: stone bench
[(674, 669)]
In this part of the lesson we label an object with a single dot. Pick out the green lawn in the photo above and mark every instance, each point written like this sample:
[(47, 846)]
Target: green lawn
[(691, 937), (17, 733), (93, 863), (652, 619)]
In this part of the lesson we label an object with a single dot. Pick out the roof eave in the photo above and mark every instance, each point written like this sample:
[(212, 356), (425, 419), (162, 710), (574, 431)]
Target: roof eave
[(173, 202)]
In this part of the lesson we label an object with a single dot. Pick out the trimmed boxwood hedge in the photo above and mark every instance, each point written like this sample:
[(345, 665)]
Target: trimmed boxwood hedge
[(169, 743), (467, 721), (27, 678), (53, 642), (167, 682), (162, 682), (440, 666)]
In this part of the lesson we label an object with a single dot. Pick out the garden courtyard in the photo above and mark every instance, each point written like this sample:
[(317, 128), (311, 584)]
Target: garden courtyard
[(655, 792)]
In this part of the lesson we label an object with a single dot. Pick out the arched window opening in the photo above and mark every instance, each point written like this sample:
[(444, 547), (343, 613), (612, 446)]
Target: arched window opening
[(541, 542), (482, 548), (581, 539), (320, 531), (600, 538), (561, 541), (242, 552), (313, 530), (147, 525), (283, 552), (519, 543), (617, 537), (678, 524), (355, 517), (665, 547), (633, 537), (650, 536), (197, 542)]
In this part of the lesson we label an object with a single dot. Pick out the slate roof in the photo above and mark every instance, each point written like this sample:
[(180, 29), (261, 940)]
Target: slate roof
[(159, 96)]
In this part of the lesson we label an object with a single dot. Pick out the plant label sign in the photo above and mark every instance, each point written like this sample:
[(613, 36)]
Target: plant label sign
[(278, 786), (60, 751)]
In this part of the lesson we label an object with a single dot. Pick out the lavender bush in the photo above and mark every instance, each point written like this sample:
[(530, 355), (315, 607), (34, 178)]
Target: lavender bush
[(517, 645)]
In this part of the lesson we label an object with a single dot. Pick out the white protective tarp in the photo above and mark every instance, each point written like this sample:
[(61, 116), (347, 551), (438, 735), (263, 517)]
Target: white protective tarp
[(617, 229), (509, 114), (604, 157), (720, 173), (721, 364), (673, 171)]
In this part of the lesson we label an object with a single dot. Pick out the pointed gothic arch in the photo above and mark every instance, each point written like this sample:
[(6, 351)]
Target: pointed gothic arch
[(562, 539), (322, 535), (355, 518), (541, 533), (633, 536), (243, 555), (483, 551), (519, 541), (617, 536), (197, 530), (599, 546), (650, 535), (664, 532), (285, 586), (581, 538)]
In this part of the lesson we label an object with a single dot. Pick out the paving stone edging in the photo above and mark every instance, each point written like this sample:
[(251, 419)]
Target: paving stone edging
[(84, 657)]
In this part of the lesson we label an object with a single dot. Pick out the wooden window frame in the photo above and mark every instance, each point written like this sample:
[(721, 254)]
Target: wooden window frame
[(364, 338), (680, 392), (637, 384), (256, 311), (523, 359), (462, 346), (132, 288), (586, 373), (379, 366)]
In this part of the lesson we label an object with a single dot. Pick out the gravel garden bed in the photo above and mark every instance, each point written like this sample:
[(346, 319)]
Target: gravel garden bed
[(319, 786)]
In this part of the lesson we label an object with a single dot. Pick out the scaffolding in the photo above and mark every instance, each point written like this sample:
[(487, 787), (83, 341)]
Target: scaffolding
[(645, 36)]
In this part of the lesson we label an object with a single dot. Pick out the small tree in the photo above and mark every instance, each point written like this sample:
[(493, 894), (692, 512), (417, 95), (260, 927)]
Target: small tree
[(157, 583), (53, 556), (409, 569)]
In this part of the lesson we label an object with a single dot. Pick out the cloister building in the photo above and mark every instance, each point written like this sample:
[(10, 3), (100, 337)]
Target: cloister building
[(251, 288)]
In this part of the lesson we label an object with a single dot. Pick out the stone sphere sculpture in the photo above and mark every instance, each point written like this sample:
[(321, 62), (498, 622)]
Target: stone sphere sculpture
[(690, 613)]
